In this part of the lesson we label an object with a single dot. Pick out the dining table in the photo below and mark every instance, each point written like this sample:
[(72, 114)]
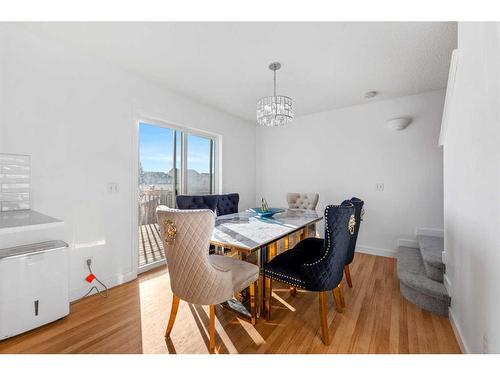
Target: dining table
[(255, 239)]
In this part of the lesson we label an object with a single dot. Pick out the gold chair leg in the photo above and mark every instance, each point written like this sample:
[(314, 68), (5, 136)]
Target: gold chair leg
[(173, 314), (323, 319), (341, 293), (293, 290), (337, 295), (347, 272), (212, 329), (253, 307), (269, 293)]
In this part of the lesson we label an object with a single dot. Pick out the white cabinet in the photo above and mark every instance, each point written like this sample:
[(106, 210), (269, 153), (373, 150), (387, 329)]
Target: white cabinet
[(33, 286)]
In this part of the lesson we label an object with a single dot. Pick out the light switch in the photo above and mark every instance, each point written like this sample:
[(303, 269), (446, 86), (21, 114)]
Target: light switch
[(113, 187)]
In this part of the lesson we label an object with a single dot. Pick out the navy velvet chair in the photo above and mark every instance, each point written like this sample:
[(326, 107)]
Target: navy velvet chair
[(227, 204), (197, 202), (316, 265), (358, 216)]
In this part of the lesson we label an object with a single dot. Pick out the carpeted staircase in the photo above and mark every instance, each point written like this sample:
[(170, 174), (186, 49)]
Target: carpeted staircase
[(420, 273)]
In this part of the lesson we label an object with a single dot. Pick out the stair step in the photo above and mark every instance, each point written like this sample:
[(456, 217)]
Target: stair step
[(431, 249), (416, 287)]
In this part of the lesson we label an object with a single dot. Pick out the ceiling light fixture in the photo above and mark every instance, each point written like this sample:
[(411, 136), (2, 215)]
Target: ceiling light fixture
[(276, 110), (399, 123)]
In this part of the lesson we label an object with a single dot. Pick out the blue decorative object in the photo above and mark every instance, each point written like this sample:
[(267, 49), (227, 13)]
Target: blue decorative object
[(266, 214)]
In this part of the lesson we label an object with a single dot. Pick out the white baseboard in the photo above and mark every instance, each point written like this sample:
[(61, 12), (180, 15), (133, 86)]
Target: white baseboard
[(110, 282), (458, 332), (447, 284), (429, 232), (408, 243), (377, 251)]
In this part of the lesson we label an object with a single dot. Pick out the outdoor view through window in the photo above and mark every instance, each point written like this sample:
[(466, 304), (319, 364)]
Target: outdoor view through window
[(171, 162)]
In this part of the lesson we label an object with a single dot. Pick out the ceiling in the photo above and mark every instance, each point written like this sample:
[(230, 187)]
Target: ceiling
[(225, 64)]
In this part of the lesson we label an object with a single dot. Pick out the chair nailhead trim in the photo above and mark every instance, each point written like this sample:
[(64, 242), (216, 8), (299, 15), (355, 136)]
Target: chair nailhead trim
[(285, 277), (327, 237)]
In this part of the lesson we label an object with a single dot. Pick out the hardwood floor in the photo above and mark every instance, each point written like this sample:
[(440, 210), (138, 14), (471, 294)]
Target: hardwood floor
[(134, 317)]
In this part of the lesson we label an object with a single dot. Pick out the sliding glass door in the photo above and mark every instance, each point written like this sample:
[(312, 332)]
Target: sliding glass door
[(172, 161)]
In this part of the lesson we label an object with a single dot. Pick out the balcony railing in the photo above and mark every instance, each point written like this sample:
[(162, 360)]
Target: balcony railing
[(149, 199), (150, 245)]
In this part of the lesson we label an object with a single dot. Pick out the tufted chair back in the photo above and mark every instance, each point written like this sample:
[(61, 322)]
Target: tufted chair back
[(228, 204), (197, 202), (326, 272), (306, 201), (358, 207), (186, 236)]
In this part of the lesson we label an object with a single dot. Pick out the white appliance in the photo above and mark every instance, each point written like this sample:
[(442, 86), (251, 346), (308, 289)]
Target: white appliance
[(33, 286)]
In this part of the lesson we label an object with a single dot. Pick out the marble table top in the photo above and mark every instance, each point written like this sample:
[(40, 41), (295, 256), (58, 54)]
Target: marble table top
[(246, 230)]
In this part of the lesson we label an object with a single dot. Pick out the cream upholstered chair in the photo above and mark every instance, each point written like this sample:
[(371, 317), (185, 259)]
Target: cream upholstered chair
[(306, 201), (195, 276)]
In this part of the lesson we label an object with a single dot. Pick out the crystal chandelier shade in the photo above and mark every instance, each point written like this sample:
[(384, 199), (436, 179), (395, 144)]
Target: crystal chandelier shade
[(276, 110)]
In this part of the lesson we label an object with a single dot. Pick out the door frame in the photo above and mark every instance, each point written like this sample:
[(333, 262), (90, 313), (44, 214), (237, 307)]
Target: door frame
[(157, 121)]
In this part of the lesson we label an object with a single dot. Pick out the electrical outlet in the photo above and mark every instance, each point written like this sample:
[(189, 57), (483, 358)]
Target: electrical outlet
[(85, 263), (379, 186)]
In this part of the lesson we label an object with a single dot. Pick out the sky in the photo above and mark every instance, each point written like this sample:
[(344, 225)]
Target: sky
[(156, 150)]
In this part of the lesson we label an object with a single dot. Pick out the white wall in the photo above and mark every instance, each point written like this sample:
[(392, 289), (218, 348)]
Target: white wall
[(472, 188), (75, 115), (345, 152)]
